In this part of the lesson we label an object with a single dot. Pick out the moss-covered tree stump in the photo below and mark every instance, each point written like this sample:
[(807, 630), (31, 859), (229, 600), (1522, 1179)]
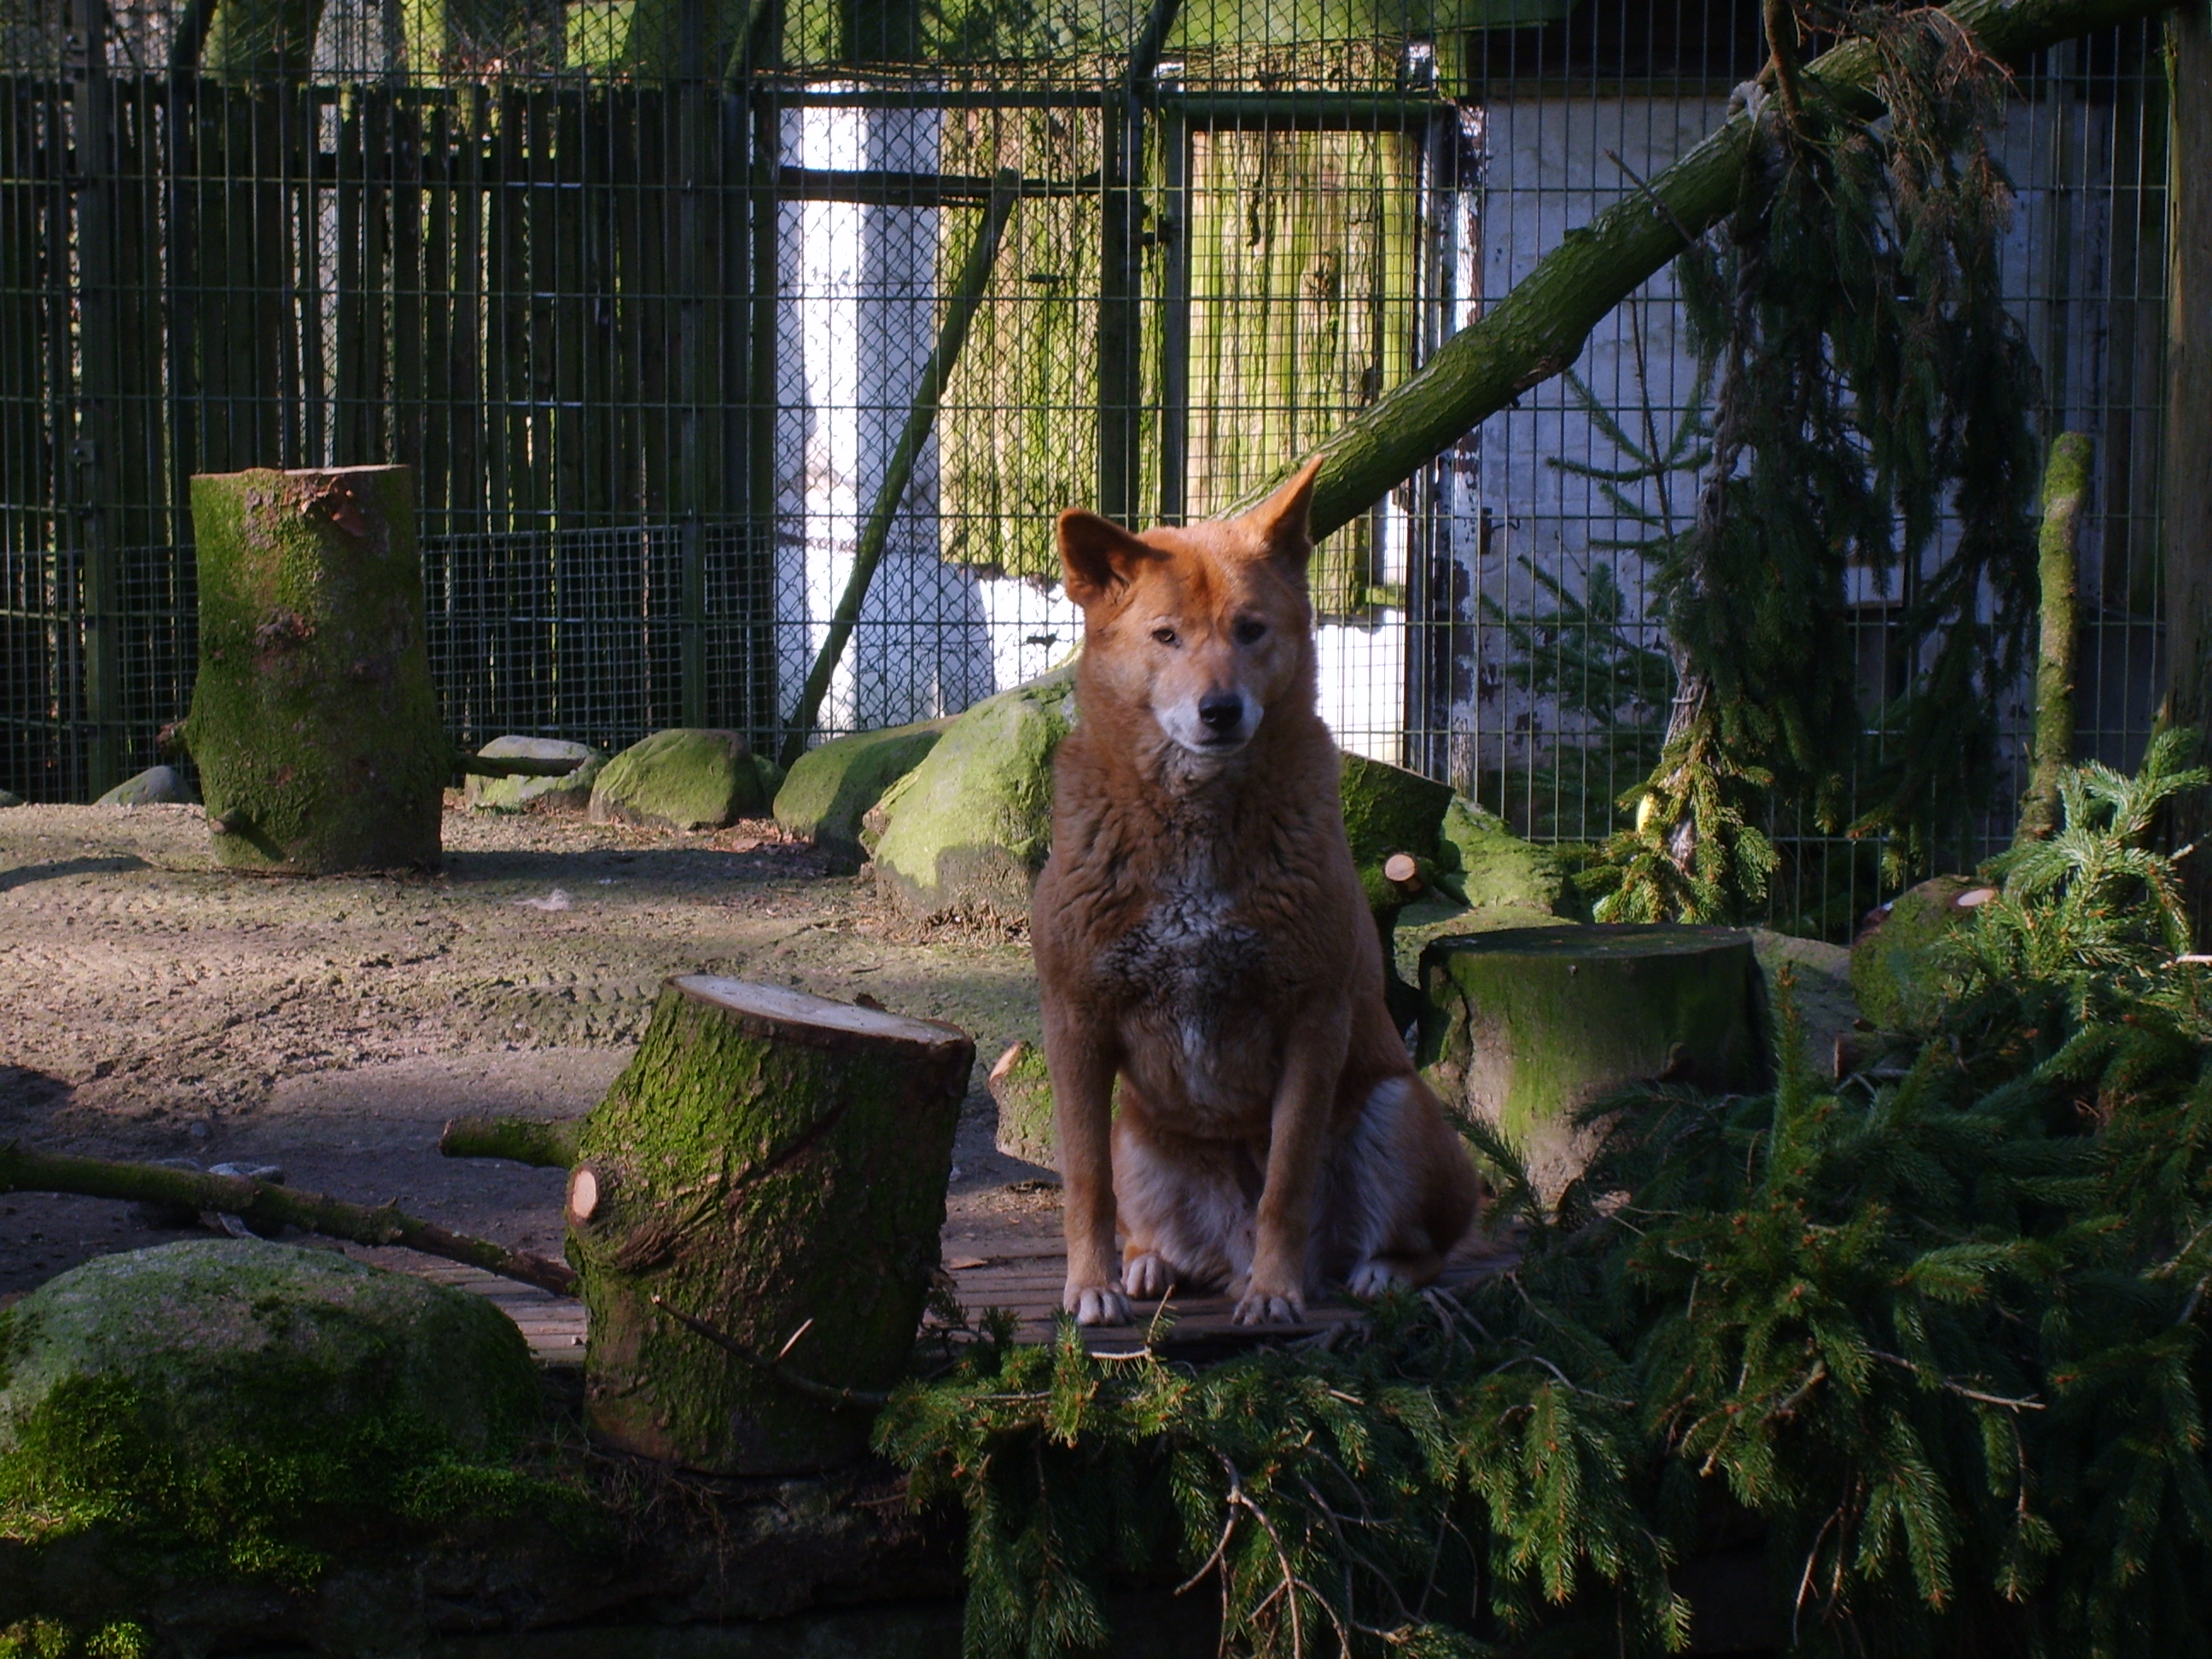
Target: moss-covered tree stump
[(771, 1167), (1523, 1029), (314, 720)]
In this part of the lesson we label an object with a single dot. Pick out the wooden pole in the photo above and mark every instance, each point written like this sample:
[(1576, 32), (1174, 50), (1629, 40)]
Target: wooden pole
[(771, 1166), (952, 335), (25, 1171), (1538, 330), (2065, 489), (313, 720)]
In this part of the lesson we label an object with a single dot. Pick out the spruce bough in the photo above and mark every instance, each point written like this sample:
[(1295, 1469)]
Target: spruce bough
[(1940, 1341)]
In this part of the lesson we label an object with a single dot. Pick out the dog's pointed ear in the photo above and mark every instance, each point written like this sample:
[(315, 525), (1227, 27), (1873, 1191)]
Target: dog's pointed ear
[(1096, 556), (1282, 523)]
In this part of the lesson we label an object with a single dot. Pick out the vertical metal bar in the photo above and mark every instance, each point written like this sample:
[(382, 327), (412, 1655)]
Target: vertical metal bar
[(760, 474), (692, 142), (95, 441), (1175, 319)]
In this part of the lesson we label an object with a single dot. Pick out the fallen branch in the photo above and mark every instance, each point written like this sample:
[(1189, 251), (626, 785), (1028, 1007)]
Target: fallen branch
[(24, 1171), (549, 1143)]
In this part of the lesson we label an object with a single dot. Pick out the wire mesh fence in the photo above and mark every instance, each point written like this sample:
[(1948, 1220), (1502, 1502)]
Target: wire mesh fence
[(652, 294)]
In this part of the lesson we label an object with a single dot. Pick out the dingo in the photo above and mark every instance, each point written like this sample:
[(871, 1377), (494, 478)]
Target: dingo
[(1200, 933)]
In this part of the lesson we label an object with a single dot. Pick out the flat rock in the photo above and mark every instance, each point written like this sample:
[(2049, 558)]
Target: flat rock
[(966, 831), (686, 779), (157, 786), (520, 795), (211, 1348), (831, 788)]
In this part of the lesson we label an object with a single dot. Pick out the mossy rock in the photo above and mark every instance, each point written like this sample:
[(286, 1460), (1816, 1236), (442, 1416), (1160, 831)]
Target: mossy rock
[(684, 779), (157, 786), (1896, 972), (244, 1397), (572, 793), (830, 788), (10, 798), (1523, 1028), (1485, 866), (967, 830), (1022, 1089)]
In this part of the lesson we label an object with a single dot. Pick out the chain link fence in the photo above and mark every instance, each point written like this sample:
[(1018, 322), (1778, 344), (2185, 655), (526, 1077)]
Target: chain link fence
[(646, 291)]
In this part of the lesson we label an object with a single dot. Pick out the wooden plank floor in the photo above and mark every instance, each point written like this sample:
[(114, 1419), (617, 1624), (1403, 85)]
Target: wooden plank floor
[(1009, 1268)]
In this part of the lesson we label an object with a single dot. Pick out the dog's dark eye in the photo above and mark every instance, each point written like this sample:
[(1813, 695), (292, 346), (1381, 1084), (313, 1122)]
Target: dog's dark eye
[(1164, 635), (1250, 629)]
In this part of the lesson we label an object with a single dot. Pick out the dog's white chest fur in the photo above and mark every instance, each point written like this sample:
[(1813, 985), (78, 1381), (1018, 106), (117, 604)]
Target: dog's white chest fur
[(1187, 969)]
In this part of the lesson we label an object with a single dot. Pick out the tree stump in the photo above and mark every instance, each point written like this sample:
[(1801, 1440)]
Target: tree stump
[(771, 1167), (313, 720), (1523, 1027)]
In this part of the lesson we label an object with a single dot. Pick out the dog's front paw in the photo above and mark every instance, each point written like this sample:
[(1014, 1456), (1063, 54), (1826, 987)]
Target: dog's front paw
[(1260, 1306), (1095, 1305), (1147, 1277), (1374, 1279)]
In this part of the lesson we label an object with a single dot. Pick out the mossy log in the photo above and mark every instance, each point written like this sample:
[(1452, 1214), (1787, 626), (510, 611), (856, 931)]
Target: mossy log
[(549, 1143), (2065, 494), (314, 720), (771, 1167), (161, 1185), (1523, 1029)]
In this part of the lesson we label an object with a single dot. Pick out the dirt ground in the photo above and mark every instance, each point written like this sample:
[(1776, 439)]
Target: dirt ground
[(153, 1006)]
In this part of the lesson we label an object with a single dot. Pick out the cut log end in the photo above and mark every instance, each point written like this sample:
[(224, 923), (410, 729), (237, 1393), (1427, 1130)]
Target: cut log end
[(583, 1195)]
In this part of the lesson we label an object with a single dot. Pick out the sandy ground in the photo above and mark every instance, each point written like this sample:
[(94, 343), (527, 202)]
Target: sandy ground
[(152, 1005)]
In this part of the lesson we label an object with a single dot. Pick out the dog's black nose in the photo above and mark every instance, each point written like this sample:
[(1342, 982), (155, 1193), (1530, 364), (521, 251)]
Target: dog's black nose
[(1222, 711)]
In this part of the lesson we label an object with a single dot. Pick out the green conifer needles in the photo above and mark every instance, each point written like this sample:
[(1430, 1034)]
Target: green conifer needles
[(1939, 1337)]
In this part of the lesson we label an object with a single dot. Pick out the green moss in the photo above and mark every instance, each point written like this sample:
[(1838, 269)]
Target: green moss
[(51, 1638), (1022, 1088), (757, 1184), (314, 722), (1522, 1028), (970, 827), (686, 779), (1388, 809), (253, 1406), (1895, 964), (831, 788), (1486, 865)]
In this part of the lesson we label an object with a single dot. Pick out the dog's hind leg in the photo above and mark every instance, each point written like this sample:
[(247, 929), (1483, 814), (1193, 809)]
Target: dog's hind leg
[(1394, 1184), (1185, 1207)]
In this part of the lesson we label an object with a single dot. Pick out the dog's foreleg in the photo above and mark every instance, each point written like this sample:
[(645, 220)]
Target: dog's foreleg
[(1298, 1134), (1082, 1068)]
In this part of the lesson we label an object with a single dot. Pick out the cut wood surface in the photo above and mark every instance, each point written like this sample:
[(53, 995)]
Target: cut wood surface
[(771, 1166)]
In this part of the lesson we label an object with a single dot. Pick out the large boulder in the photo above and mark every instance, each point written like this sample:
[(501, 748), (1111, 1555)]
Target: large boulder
[(967, 830), (572, 793), (1896, 971), (684, 779), (157, 786), (241, 1393), (1486, 867), (831, 788)]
